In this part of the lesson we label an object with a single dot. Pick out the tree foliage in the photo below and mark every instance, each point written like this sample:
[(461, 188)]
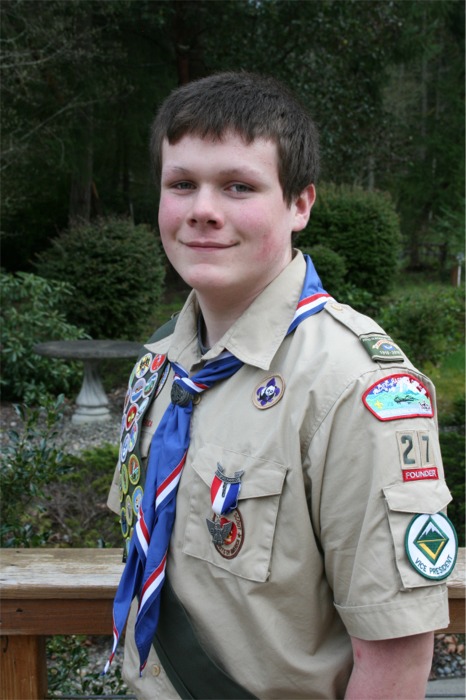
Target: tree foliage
[(81, 80)]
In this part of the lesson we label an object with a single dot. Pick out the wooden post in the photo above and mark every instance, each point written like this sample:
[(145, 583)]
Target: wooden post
[(23, 668)]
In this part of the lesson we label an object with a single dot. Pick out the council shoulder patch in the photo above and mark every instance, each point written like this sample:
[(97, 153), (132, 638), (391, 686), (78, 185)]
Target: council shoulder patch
[(431, 545), (398, 396), (381, 348)]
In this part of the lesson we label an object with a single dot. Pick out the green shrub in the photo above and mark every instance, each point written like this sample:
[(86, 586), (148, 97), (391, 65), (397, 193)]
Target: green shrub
[(363, 228), (452, 443), (30, 314), (117, 270), (75, 672), (330, 266), (332, 270), (428, 323), (76, 505), (30, 461)]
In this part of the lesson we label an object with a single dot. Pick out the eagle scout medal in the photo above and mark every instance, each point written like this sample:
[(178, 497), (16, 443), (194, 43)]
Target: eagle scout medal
[(431, 545), (268, 392), (227, 534), (398, 396)]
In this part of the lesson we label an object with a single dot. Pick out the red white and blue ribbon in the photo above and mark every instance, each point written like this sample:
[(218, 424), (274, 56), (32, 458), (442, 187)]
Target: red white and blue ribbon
[(224, 491), (144, 573)]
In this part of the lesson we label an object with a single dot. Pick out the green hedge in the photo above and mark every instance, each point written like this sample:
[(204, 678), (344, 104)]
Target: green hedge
[(30, 314), (331, 268), (428, 323), (117, 270), (363, 228)]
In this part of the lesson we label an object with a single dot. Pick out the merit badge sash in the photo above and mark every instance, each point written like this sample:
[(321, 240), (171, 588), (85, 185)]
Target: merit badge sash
[(145, 383)]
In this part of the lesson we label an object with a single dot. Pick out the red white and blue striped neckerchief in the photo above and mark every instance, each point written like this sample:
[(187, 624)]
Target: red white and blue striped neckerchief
[(144, 573)]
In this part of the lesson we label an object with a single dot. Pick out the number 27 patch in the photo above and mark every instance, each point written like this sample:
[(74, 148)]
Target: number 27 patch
[(415, 455)]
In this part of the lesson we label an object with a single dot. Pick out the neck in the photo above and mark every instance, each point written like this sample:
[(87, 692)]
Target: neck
[(218, 318)]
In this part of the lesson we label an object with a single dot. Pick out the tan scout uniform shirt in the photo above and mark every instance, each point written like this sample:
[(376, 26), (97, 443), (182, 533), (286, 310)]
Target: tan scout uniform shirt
[(323, 504)]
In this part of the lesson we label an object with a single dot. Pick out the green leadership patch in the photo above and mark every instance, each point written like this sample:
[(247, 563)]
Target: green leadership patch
[(381, 348), (431, 545)]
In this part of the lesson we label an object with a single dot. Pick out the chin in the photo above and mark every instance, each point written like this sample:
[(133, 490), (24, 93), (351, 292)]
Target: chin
[(205, 279)]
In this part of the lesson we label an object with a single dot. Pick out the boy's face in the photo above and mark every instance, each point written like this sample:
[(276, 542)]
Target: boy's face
[(223, 221)]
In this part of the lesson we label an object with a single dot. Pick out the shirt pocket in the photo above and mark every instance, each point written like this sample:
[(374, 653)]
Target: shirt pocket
[(261, 487), (404, 501)]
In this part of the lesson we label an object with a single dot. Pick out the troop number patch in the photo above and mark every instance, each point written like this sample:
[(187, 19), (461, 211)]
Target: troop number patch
[(398, 396), (431, 545)]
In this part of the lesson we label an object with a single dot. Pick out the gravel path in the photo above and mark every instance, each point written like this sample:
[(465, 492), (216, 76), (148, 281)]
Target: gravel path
[(74, 438)]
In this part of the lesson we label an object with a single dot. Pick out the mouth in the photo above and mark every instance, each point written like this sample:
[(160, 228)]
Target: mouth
[(208, 245)]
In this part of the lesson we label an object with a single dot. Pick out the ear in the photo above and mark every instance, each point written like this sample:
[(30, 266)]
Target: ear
[(303, 205)]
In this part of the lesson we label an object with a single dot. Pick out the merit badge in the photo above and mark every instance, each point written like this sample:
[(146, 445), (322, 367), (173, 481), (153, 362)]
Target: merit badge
[(151, 382), (124, 449), (157, 362), (381, 348), (133, 433), (138, 388), (398, 396), (134, 469), (130, 416), (268, 392), (124, 479), (123, 522), (227, 535), (129, 510), (163, 379), (143, 365), (142, 408), (431, 545), (224, 491), (137, 498)]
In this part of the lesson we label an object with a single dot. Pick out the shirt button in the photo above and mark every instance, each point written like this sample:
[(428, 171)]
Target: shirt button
[(155, 670), (337, 307)]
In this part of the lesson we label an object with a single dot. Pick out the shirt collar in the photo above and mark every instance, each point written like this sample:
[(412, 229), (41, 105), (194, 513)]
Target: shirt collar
[(255, 337)]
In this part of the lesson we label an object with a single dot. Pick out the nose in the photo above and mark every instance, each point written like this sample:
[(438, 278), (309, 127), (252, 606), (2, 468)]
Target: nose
[(206, 209)]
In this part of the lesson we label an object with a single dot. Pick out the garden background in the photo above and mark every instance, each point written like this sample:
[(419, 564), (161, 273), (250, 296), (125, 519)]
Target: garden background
[(80, 83)]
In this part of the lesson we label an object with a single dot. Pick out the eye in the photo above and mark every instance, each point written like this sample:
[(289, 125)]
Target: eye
[(182, 186), (240, 188)]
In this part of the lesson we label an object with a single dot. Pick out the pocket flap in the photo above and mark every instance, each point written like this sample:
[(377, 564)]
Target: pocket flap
[(418, 497), (261, 478)]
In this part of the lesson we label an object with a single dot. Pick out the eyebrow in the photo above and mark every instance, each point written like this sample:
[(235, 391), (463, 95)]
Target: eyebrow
[(240, 172)]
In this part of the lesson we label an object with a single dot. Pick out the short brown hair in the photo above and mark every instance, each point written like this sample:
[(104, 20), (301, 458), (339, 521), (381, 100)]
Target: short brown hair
[(251, 105)]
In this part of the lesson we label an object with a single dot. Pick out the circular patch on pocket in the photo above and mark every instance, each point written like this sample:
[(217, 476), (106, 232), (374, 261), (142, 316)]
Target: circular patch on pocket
[(431, 545)]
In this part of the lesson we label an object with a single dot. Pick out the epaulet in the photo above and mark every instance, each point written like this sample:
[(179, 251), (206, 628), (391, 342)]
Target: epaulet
[(165, 330), (378, 345), (162, 332)]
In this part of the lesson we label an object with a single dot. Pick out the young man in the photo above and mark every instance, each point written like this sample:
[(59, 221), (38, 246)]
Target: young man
[(295, 442)]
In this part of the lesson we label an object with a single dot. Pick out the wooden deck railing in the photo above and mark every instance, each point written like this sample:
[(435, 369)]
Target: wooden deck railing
[(70, 591)]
